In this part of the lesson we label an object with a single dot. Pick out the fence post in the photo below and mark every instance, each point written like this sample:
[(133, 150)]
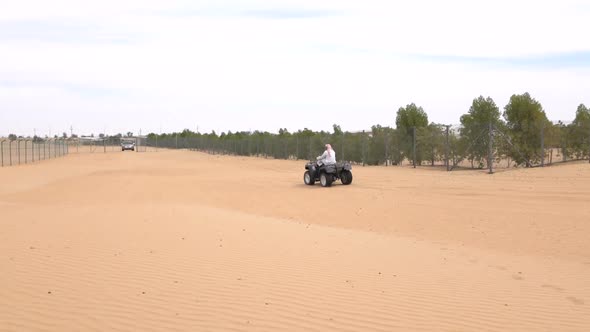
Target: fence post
[(18, 150), (414, 145), (386, 147), (363, 148), (2, 152), (33, 151), (10, 151), (342, 147), (447, 148), (542, 145), (491, 148), (564, 149)]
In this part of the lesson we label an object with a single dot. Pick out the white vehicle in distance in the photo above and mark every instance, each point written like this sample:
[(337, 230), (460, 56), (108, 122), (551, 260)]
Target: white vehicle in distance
[(127, 145)]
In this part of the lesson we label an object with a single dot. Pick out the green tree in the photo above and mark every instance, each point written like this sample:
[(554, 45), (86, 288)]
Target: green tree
[(553, 138), (337, 130), (432, 142), (524, 119), (411, 116), (475, 128), (407, 118), (380, 142), (580, 132)]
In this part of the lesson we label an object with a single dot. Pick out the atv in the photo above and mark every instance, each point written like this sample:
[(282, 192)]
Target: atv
[(327, 173)]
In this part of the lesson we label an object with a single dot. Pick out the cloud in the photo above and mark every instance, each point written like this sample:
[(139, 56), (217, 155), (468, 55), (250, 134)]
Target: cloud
[(59, 31), (236, 65), (265, 13), (74, 88), (290, 13), (554, 61)]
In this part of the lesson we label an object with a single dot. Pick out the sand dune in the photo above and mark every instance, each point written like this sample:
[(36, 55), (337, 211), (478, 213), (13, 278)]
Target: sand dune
[(184, 241)]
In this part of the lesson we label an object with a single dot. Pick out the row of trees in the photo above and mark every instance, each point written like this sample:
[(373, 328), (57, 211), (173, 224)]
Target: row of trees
[(521, 133)]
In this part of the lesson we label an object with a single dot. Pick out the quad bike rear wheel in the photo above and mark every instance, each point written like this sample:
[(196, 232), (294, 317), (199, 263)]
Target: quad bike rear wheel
[(326, 179), (346, 177)]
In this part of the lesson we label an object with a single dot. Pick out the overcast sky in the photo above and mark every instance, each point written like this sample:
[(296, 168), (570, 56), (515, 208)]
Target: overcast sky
[(238, 65)]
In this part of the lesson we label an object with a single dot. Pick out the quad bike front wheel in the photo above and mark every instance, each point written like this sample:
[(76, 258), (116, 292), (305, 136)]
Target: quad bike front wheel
[(325, 179), (308, 179)]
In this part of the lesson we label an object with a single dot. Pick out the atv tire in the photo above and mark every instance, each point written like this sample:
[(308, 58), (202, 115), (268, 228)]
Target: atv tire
[(326, 179), (346, 177), (308, 179)]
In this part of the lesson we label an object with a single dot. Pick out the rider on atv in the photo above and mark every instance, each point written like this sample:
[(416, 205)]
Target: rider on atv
[(328, 157)]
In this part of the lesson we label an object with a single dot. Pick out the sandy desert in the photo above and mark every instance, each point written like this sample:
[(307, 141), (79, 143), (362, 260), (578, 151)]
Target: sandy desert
[(186, 241)]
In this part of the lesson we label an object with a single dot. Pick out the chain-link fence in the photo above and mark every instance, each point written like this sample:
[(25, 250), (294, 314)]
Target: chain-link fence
[(495, 145), (21, 151), (488, 145), (24, 151), (109, 144)]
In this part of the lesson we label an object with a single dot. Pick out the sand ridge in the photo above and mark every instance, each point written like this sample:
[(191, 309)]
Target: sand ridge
[(179, 240)]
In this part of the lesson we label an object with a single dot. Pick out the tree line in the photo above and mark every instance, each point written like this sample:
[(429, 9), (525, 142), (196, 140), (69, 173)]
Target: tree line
[(521, 133)]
